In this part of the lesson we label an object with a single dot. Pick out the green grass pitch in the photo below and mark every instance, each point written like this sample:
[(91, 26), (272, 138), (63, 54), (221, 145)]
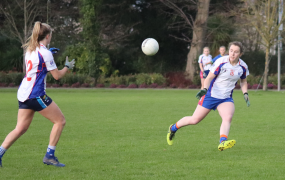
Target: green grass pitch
[(121, 134)]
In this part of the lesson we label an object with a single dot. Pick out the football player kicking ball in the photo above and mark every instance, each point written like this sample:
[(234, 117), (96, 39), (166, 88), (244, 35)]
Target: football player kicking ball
[(217, 94), (31, 93)]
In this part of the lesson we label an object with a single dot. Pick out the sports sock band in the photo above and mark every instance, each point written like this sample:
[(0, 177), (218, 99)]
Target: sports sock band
[(174, 127), (223, 138), (2, 151), (50, 150)]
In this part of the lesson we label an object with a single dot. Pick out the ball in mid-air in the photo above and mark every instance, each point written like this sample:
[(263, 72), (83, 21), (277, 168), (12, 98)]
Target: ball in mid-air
[(150, 46)]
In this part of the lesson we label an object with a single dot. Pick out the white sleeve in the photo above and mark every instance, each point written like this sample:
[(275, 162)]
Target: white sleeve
[(49, 61), (200, 58)]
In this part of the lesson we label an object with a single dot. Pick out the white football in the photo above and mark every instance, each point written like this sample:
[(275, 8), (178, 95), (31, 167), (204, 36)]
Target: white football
[(150, 46)]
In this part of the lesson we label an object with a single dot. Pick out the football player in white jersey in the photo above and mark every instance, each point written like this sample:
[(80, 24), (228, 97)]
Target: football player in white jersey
[(205, 62), (31, 93), (217, 94)]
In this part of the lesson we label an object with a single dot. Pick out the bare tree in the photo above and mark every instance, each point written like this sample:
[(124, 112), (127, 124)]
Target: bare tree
[(248, 34), (19, 18), (199, 30), (262, 15), (114, 31), (199, 26)]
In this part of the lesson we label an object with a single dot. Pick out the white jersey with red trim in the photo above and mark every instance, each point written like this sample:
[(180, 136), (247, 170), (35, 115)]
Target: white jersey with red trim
[(223, 84), (204, 60), (38, 63)]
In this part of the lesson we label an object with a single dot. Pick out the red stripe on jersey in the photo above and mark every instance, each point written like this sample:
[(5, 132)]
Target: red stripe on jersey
[(34, 82)]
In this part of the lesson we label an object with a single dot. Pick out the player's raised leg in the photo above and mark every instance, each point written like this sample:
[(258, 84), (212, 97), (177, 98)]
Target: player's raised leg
[(25, 117), (199, 114), (226, 111), (54, 114)]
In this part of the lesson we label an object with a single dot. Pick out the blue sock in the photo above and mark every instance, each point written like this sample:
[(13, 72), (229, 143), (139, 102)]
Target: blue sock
[(223, 138), (174, 128), (2, 151), (50, 151)]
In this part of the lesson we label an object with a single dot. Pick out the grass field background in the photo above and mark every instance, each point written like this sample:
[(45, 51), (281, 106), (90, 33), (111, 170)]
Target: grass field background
[(121, 134)]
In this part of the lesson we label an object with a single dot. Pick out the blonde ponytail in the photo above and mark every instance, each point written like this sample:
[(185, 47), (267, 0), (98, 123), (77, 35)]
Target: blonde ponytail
[(40, 31)]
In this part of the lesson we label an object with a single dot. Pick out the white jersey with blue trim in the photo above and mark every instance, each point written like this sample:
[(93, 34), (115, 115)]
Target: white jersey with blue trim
[(223, 84), (38, 63), (204, 60)]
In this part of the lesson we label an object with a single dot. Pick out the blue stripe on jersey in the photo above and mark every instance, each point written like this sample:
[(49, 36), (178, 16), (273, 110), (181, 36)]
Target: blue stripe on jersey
[(39, 86), (211, 86), (41, 102), (243, 76), (218, 70), (217, 57)]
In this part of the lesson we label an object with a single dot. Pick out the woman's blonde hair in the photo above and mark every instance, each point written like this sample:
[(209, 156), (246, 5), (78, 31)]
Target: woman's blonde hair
[(206, 48), (40, 31)]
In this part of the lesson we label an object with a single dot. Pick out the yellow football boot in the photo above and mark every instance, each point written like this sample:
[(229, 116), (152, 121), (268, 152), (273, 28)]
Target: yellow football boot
[(170, 136), (226, 144)]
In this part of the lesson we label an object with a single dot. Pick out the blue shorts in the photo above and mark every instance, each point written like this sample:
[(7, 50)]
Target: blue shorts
[(212, 103), (36, 104), (206, 72)]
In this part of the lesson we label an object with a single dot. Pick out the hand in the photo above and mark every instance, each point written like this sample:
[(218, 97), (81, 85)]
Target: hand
[(245, 96), (54, 50), (201, 93), (204, 74), (70, 64)]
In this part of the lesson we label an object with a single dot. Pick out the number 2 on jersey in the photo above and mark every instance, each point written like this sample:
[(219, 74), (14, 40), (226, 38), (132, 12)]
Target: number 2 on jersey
[(30, 68)]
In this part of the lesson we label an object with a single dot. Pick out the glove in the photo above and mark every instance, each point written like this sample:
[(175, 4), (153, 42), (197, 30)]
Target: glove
[(54, 50), (201, 93), (204, 74), (245, 96), (70, 64)]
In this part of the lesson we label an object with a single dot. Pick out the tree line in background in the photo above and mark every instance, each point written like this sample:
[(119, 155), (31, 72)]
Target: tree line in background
[(105, 36)]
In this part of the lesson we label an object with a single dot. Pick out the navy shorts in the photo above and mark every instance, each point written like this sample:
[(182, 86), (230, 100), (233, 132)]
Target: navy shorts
[(36, 104), (212, 103), (206, 72)]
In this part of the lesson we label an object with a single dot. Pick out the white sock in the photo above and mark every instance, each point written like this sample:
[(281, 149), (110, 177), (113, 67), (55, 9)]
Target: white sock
[(2, 151), (51, 147)]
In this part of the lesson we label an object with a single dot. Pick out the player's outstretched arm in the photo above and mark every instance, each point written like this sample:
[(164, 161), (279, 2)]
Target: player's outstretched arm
[(207, 82), (58, 74), (209, 79), (243, 85)]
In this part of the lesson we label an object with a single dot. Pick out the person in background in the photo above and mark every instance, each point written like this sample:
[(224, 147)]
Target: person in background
[(205, 63), (222, 51)]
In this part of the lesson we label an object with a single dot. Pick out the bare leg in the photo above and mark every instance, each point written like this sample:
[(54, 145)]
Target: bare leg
[(199, 114), (54, 114), (226, 111), (202, 83), (25, 117)]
